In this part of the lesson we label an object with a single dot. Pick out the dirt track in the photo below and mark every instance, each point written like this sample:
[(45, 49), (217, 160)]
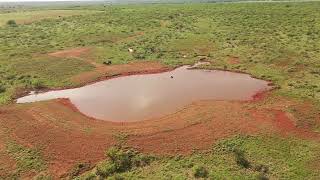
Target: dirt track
[(67, 137)]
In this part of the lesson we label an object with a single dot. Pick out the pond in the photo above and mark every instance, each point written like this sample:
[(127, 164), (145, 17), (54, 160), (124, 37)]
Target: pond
[(141, 97)]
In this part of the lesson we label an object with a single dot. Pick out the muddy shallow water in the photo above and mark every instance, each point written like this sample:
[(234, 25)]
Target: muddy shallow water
[(141, 97)]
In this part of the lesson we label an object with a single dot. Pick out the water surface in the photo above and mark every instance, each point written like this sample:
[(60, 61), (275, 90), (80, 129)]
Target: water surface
[(141, 97)]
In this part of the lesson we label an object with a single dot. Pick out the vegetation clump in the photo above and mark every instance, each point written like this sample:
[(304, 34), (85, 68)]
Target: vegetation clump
[(121, 160), (2, 89), (79, 168), (241, 159), (37, 84), (11, 23), (27, 159), (200, 172)]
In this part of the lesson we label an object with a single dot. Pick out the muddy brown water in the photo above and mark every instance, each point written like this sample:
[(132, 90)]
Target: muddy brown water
[(141, 97)]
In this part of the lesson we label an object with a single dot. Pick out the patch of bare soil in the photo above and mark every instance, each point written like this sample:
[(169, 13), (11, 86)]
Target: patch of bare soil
[(71, 53), (306, 114), (67, 137), (233, 60)]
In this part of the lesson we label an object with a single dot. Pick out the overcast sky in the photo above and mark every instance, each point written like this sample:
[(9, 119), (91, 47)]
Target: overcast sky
[(38, 0)]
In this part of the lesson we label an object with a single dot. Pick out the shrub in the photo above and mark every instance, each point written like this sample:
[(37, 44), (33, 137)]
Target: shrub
[(116, 177), (121, 160), (88, 176), (200, 172), (43, 177), (78, 169), (262, 168), (2, 89), (241, 159), (106, 169), (12, 23), (27, 159), (141, 160), (262, 177), (37, 84)]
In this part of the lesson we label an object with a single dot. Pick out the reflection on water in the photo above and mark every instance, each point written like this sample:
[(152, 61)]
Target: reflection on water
[(140, 97)]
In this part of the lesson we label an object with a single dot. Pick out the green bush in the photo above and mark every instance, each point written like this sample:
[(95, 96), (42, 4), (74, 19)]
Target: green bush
[(121, 160), (43, 177), (12, 23), (262, 176), (241, 159), (106, 169), (200, 172), (116, 177), (2, 89), (78, 169), (90, 176), (262, 168), (37, 84), (27, 159)]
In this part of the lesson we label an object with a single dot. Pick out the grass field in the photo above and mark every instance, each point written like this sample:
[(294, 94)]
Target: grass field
[(27, 17), (276, 41), (267, 157), (279, 42)]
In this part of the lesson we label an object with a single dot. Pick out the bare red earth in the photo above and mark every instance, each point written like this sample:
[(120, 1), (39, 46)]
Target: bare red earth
[(234, 60), (75, 53), (67, 137), (288, 126)]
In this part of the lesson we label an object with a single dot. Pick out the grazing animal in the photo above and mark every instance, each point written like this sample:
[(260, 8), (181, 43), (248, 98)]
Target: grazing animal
[(130, 50)]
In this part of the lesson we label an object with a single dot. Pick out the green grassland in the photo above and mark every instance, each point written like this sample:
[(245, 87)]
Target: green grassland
[(240, 157), (28, 160), (273, 41), (27, 16)]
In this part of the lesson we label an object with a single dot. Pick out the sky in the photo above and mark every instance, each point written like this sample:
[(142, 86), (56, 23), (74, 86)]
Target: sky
[(37, 0)]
